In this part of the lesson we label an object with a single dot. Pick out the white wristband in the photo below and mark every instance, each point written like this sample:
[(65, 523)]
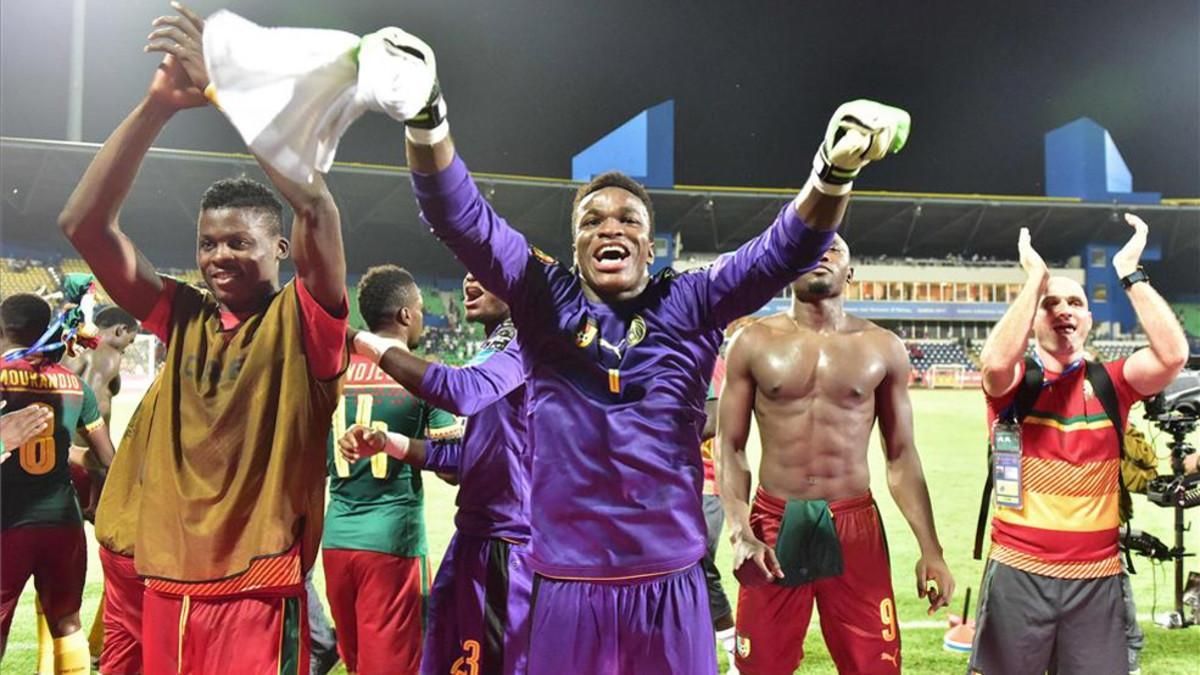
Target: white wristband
[(827, 188), (396, 445), (427, 136), (374, 346), (823, 186)]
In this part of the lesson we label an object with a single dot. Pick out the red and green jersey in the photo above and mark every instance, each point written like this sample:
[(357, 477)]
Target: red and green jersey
[(377, 504), (35, 483), (1070, 463)]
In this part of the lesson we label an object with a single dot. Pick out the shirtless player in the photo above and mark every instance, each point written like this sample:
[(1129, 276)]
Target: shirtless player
[(101, 367), (816, 379)]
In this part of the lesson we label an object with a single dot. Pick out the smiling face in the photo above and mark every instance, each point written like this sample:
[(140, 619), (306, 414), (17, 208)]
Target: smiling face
[(481, 306), (1062, 322), (830, 277), (238, 251), (613, 243)]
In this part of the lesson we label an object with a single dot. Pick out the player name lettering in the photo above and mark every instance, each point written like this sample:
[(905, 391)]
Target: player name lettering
[(31, 380), (362, 372)]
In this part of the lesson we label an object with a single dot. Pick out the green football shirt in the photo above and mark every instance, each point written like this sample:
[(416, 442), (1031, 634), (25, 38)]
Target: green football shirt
[(377, 504), (35, 482)]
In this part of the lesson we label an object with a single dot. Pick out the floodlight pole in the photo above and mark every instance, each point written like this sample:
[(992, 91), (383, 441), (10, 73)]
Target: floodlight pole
[(75, 87)]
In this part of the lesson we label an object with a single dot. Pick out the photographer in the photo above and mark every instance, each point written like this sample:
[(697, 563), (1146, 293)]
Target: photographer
[(1052, 595), (1139, 466)]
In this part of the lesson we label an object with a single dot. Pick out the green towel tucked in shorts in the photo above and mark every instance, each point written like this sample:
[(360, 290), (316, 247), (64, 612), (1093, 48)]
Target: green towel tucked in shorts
[(807, 548)]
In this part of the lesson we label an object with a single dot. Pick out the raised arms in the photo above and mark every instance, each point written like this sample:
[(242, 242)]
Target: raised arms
[(1152, 368), (90, 218), (1005, 347)]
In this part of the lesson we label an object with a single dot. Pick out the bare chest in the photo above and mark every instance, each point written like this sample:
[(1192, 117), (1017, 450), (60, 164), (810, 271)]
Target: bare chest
[(842, 368)]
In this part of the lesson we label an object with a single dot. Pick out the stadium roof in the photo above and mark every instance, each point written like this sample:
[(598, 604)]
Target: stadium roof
[(381, 223)]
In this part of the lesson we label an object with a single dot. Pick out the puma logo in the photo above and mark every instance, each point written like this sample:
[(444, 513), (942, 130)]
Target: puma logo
[(894, 657), (615, 349)]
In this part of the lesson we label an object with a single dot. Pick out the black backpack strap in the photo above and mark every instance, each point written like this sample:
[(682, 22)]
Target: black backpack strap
[(1102, 386), (1031, 388), (1027, 394)]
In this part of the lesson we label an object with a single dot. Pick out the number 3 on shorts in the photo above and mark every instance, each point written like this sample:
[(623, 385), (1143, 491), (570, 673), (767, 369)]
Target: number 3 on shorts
[(887, 614), (37, 454), (468, 663)]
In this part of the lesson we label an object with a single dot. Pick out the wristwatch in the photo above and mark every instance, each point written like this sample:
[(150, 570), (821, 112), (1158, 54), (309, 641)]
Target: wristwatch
[(1137, 275)]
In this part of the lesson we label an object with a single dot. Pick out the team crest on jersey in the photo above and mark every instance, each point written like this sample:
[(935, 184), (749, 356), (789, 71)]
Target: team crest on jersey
[(1088, 391), (586, 335), (743, 646), (542, 256), (637, 331)]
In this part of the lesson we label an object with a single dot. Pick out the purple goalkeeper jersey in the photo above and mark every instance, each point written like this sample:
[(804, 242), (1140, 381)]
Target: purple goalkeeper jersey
[(492, 459), (615, 391)]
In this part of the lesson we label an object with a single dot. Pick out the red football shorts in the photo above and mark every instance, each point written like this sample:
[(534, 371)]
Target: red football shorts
[(858, 609), (123, 590), (378, 606), (259, 633), (82, 480), (55, 556)]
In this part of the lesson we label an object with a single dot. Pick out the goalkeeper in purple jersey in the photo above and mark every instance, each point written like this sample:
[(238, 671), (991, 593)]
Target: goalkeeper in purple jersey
[(617, 363)]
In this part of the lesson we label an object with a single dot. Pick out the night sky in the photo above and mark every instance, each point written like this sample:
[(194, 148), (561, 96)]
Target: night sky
[(529, 84)]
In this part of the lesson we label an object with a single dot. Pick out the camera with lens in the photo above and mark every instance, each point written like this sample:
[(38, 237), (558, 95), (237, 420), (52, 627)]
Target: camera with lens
[(1177, 411)]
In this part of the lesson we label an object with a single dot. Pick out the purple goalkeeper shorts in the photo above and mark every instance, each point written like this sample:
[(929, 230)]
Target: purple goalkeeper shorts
[(479, 608), (646, 626)]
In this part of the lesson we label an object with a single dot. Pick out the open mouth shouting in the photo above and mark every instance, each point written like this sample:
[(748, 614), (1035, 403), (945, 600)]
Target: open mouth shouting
[(472, 295), (611, 258)]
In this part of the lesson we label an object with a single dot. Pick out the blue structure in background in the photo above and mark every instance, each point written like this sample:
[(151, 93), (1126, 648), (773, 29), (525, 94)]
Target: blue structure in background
[(1106, 297), (643, 147), (666, 249), (1083, 161)]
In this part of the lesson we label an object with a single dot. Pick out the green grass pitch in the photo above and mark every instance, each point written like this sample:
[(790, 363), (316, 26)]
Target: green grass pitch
[(950, 437)]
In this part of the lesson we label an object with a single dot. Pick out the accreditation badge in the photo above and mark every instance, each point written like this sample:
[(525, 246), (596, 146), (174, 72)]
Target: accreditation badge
[(1006, 465)]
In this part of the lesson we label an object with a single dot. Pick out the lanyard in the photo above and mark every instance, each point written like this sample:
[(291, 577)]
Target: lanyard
[(1075, 365)]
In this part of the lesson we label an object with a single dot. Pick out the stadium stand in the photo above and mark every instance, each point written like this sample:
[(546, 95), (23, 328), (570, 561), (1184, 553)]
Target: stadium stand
[(1111, 350), (925, 354), (25, 276)]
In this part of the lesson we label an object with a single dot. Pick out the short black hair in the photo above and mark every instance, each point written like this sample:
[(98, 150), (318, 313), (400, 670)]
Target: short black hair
[(383, 291), (245, 193), (24, 317), (115, 316), (615, 179)]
